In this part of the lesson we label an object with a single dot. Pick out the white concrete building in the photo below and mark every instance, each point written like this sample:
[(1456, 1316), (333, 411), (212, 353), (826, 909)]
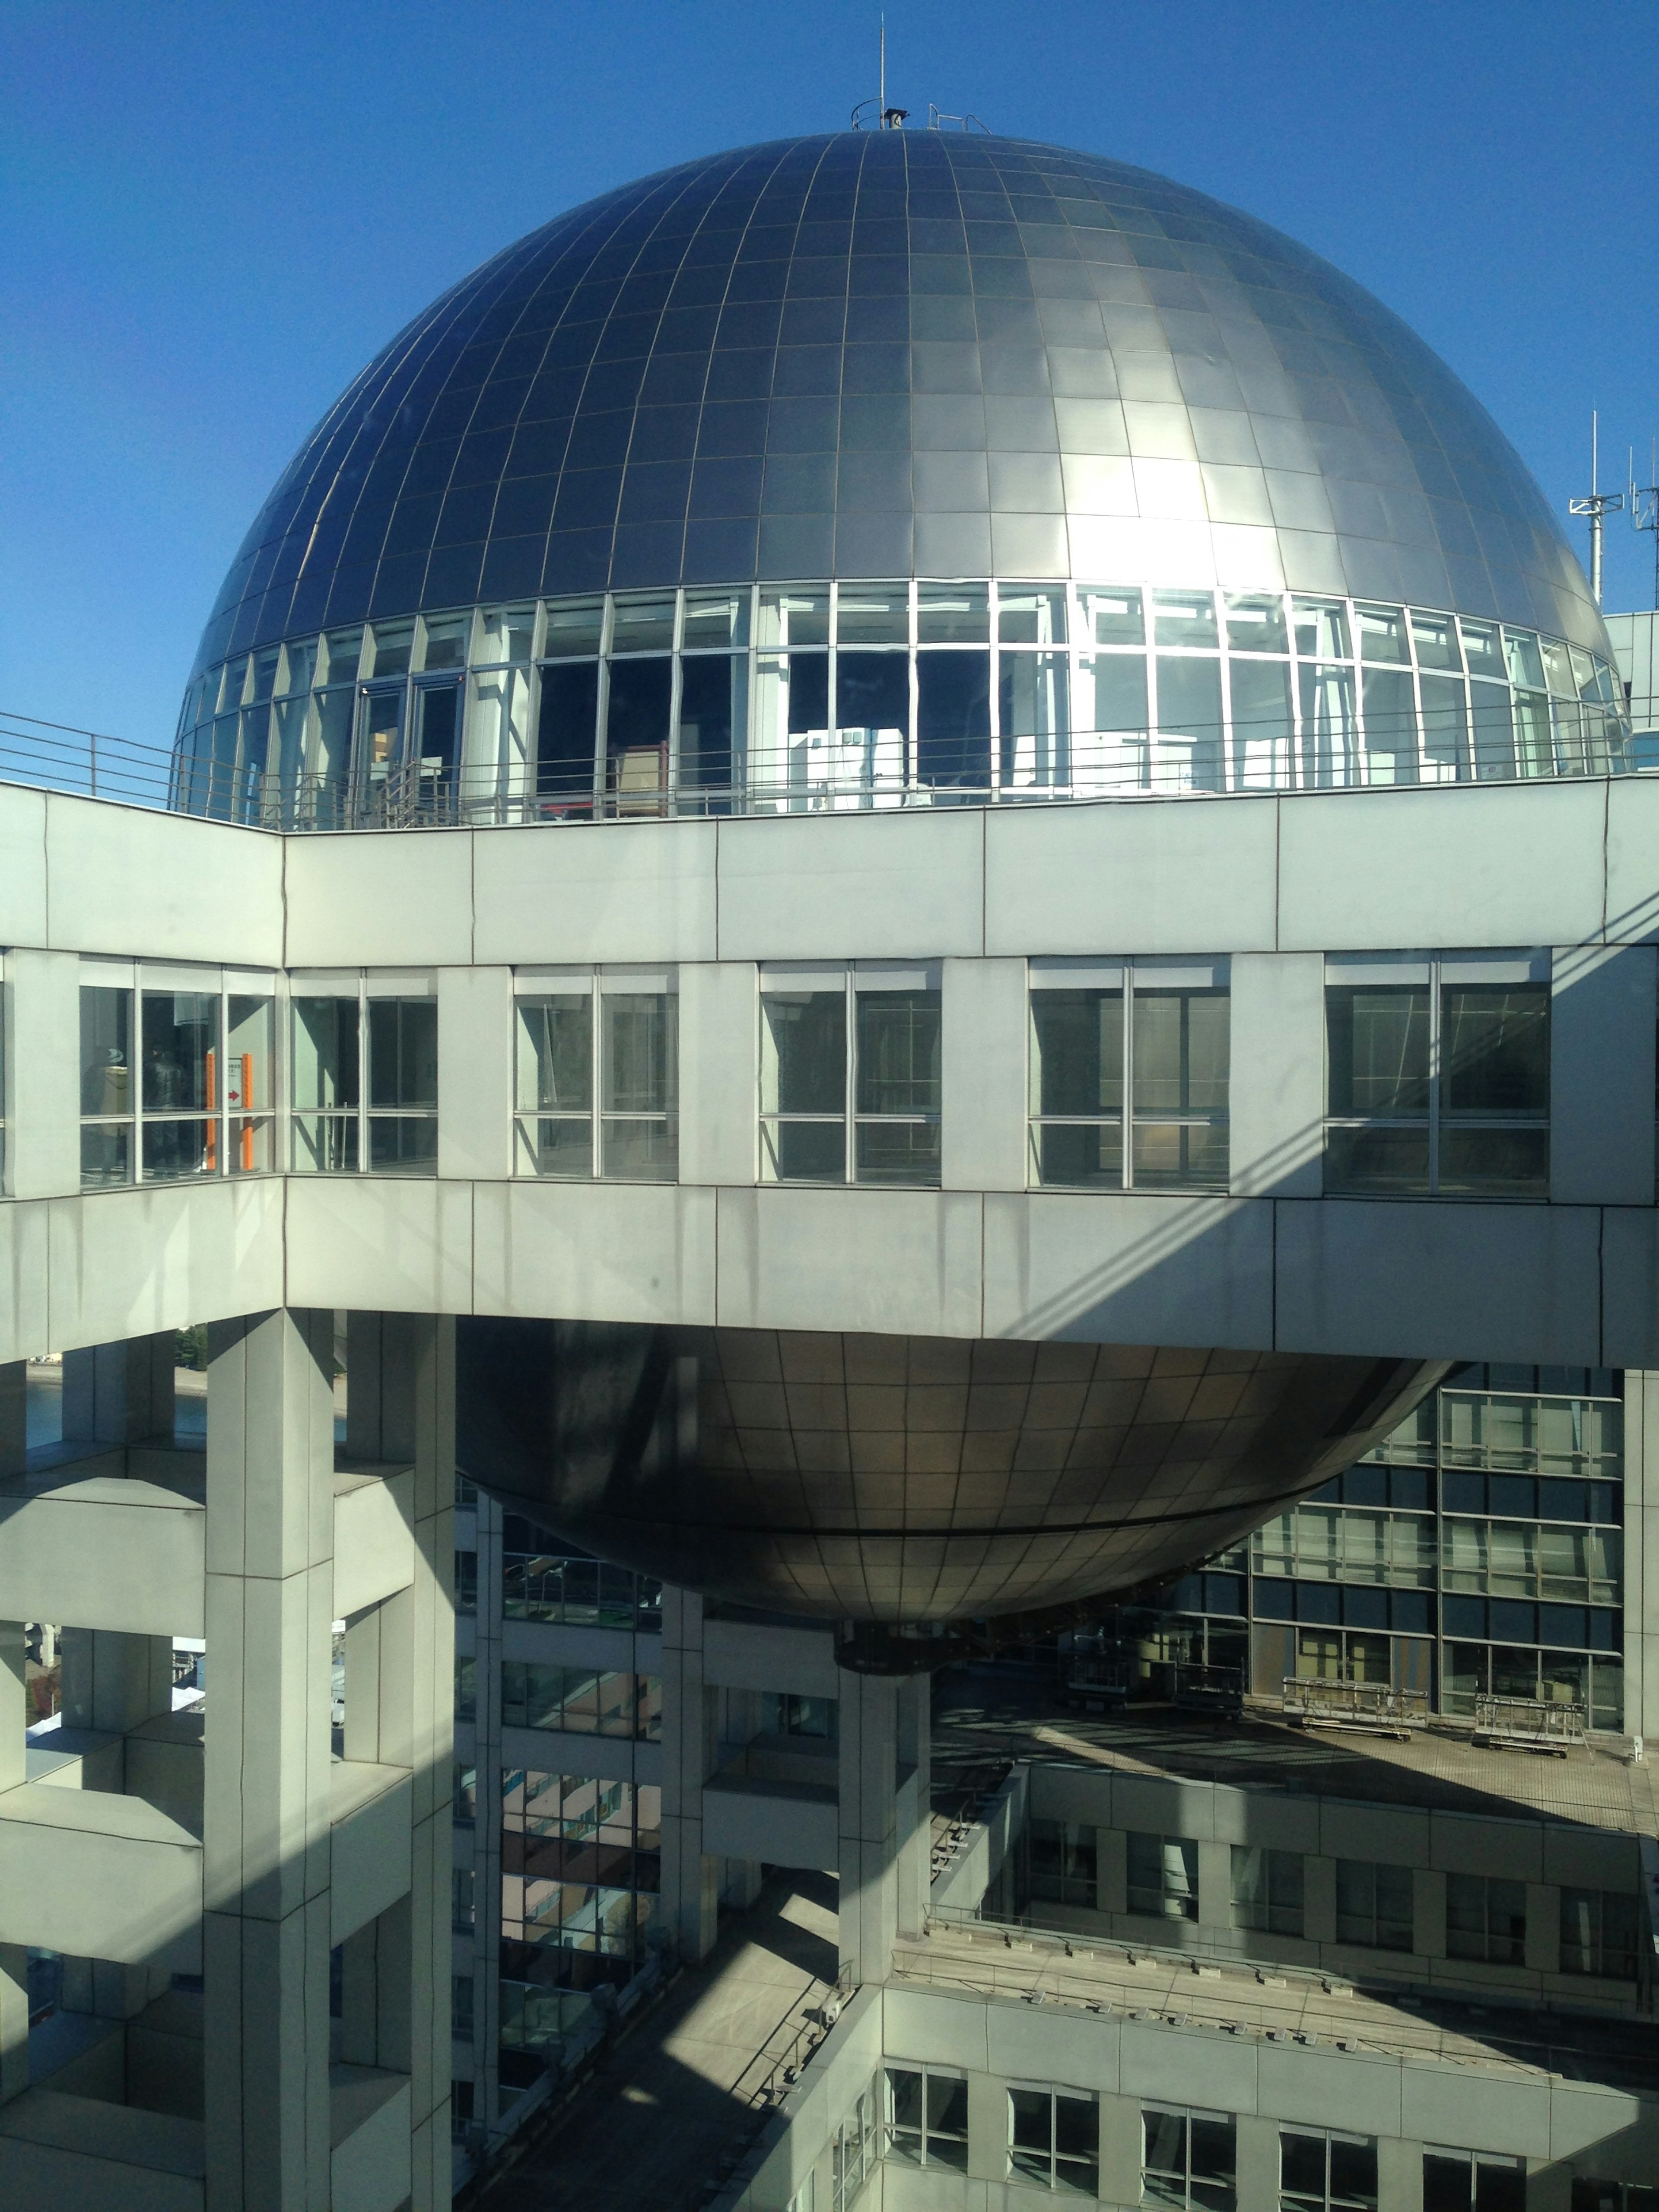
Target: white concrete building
[(910, 863)]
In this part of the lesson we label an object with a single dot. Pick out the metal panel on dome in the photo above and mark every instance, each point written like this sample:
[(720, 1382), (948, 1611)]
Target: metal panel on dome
[(869, 355)]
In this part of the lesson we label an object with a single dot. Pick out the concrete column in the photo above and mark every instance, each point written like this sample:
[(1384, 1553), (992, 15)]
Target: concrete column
[(982, 1135), (690, 1899), (14, 1416), (120, 1394), (1641, 1562), (868, 1823), (265, 1844), (486, 1857), (476, 1044), (916, 1707), (719, 1045), (115, 1681), (14, 1956), (400, 1399)]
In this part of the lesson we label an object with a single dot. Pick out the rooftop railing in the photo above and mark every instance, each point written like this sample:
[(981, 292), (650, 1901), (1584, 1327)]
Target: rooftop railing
[(641, 785)]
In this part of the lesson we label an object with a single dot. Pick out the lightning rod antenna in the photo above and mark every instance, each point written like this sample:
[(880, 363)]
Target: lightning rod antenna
[(1596, 509)]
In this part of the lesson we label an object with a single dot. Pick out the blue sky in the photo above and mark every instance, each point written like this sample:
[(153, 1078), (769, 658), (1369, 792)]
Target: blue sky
[(213, 215)]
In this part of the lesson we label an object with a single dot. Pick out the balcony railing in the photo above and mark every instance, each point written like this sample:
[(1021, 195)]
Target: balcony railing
[(429, 793)]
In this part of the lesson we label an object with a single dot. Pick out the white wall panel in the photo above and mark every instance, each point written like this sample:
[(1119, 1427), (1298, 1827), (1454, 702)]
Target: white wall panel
[(1632, 860), (129, 1262), (42, 1074), (476, 1040), (130, 879), (1276, 1094), (385, 1244), (25, 1326), (604, 1251), (623, 890), (1602, 1008), (1131, 876), (719, 1098), (1135, 1267), (1377, 870), (848, 886), (983, 1086), (905, 1261), (384, 898), (22, 865), (1434, 1279)]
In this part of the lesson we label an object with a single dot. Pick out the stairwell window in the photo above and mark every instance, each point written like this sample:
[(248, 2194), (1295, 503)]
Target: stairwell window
[(1129, 1073), (1438, 1074), (598, 1073)]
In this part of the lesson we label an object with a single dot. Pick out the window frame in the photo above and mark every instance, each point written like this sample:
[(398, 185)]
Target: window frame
[(926, 2133), (367, 986), (1437, 974), (783, 980), (233, 1133), (1070, 2173), (1188, 1846), (1130, 979), (598, 986), (1327, 2200), (1222, 2188)]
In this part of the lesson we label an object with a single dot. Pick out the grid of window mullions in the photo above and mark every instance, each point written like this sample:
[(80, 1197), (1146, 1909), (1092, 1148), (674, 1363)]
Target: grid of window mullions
[(1436, 1118), (860, 1128), (1542, 709), (226, 1124), (598, 1137), (365, 1135)]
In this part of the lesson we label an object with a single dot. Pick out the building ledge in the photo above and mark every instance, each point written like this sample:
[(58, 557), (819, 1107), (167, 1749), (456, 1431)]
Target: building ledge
[(88, 2133)]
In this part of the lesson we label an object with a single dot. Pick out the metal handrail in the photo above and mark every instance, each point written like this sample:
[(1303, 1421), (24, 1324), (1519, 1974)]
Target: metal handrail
[(428, 794)]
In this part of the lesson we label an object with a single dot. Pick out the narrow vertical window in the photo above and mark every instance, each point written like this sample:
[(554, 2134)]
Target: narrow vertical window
[(108, 1095), (326, 1097), (402, 1084), (639, 1067), (554, 1049)]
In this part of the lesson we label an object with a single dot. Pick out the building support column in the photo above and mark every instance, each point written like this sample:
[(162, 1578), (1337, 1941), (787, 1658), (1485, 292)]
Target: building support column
[(265, 1936), (1641, 1555), (400, 1711), (867, 1819), (915, 1803), (690, 1896), (14, 1956)]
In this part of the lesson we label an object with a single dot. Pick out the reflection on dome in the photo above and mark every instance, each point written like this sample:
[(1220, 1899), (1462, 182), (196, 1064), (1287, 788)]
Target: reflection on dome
[(1189, 511), (903, 1480)]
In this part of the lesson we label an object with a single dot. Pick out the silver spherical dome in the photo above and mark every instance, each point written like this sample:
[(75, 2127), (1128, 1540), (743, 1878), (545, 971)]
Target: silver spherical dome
[(900, 353), (902, 1479)]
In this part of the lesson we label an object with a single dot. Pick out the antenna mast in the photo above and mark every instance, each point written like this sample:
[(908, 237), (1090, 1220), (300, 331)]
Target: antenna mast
[(1595, 509), (1642, 501)]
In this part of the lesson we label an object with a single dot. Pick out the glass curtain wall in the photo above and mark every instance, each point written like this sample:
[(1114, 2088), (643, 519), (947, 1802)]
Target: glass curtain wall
[(1479, 1549), (821, 695)]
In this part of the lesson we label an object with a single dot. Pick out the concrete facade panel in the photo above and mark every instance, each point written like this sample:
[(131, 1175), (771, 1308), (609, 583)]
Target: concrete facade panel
[(1125, 876), (1387, 871), (378, 1244), (759, 1824), (1632, 877), (612, 891), (1137, 1268), (1439, 1280), (943, 2031), (476, 1041), (103, 1553), (130, 880), (22, 865), (905, 1262), (165, 1255), (1213, 2072), (852, 886), (1439, 2106), (983, 1075), (110, 1874), (1024, 2044), (607, 1251), (1318, 2089), (1630, 1287), (384, 898), (1276, 1088), (24, 1273), (369, 1859), (1602, 1005), (719, 1071)]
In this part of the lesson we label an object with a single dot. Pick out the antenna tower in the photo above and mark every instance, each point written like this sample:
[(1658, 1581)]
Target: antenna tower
[(1595, 509), (1642, 503)]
